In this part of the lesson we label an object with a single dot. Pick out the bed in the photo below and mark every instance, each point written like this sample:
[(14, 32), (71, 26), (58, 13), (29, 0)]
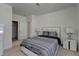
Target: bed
[(45, 44)]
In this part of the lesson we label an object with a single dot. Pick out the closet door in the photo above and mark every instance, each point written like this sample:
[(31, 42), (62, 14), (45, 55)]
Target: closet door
[(23, 29)]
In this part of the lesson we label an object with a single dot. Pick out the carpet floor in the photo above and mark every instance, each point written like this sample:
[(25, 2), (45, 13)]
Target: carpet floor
[(15, 51)]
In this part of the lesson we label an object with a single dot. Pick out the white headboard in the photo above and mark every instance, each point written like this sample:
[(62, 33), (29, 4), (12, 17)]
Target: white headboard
[(57, 29)]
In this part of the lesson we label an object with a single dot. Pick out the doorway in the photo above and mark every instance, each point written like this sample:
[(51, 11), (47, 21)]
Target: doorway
[(14, 31)]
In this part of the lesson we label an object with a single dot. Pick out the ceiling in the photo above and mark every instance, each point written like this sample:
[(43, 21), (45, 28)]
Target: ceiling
[(27, 9)]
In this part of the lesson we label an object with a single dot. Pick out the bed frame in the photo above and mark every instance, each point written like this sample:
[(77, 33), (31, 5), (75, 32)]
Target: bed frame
[(30, 53)]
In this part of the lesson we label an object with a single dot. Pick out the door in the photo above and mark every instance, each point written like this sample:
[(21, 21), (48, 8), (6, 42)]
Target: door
[(14, 30)]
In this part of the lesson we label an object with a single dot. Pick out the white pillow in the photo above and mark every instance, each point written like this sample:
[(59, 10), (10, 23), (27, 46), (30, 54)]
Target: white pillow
[(40, 33)]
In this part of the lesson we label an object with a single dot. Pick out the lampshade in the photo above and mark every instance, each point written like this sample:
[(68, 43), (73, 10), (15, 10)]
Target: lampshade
[(69, 30)]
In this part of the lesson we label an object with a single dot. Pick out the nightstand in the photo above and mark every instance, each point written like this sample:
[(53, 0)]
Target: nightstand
[(70, 44)]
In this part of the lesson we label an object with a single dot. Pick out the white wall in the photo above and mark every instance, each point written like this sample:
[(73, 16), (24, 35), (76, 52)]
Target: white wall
[(63, 18), (22, 26), (32, 25), (5, 19), (29, 25), (78, 22)]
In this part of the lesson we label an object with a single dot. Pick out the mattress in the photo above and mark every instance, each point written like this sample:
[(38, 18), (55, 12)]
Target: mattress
[(41, 46)]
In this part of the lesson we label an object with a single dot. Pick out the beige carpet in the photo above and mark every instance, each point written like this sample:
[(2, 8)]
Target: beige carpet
[(15, 51)]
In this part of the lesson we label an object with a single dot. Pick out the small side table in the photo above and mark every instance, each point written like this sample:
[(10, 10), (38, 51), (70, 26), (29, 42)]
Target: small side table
[(70, 44)]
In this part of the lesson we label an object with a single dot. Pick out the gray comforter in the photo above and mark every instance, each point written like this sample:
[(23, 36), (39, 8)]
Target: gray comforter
[(41, 46)]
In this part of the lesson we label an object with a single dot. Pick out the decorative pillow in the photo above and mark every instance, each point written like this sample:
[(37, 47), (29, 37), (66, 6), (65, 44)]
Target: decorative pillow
[(54, 34), (45, 33), (40, 33)]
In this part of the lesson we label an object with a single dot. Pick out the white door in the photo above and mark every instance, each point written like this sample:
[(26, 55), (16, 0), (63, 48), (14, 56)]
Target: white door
[(23, 29)]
